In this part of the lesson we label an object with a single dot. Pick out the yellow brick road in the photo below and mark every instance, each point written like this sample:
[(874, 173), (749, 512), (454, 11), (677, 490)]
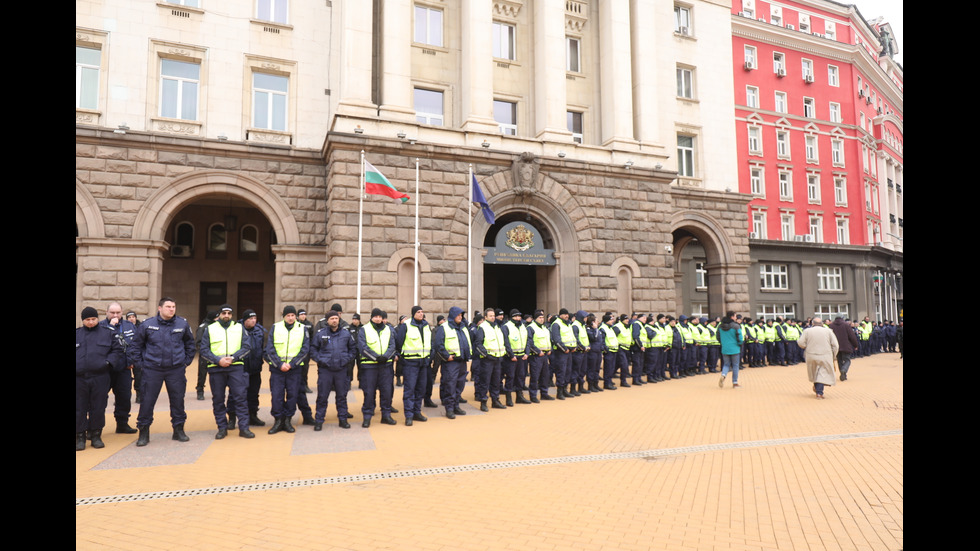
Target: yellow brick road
[(765, 466)]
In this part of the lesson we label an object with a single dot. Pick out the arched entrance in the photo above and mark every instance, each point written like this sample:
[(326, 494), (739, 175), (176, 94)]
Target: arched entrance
[(705, 267), (522, 286)]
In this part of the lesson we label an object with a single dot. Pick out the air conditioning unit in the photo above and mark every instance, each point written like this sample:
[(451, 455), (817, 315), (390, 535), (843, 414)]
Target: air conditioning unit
[(749, 65), (685, 31), (741, 14), (763, 19), (868, 100), (180, 251), (879, 110), (808, 238), (754, 235), (860, 93), (798, 238), (781, 72), (808, 78), (790, 27)]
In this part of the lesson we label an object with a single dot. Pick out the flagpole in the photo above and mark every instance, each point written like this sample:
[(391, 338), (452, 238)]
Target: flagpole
[(415, 288), (469, 246), (360, 231)]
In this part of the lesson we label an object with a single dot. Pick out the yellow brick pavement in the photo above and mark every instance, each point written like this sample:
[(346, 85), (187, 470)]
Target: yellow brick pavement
[(816, 493)]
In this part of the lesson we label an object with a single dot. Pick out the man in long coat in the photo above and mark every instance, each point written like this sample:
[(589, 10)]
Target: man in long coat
[(821, 347)]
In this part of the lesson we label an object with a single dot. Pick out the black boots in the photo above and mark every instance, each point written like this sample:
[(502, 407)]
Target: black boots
[(122, 426), (79, 441), (276, 426), (179, 434), (144, 438)]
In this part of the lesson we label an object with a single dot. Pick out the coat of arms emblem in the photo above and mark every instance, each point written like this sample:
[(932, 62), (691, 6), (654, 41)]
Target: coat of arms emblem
[(520, 238)]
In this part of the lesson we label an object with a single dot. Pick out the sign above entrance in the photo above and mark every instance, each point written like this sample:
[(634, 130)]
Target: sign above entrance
[(519, 243)]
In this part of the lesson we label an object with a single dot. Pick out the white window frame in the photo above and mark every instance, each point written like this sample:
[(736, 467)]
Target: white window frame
[(837, 151), (685, 82), (816, 228), (751, 57), (830, 29), (804, 22), (785, 185), (748, 8), (778, 62), (506, 128), (427, 117), (186, 3), (831, 311), (781, 104), (813, 187), (843, 232), (833, 76), (759, 224), (682, 19), (809, 108), (570, 117), (773, 311), (807, 68), (787, 226), (783, 150), (773, 277), (266, 10), (776, 15), (213, 246), (757, 181), (182, 84), (271, 95), (700, 276), (811, 145), (830, 278), (504, 41), (425, 26), (82, 70), (243, 241), (840, 191), (752, 96), (835, 112), (573, 54), (755, 139), (686, 156)]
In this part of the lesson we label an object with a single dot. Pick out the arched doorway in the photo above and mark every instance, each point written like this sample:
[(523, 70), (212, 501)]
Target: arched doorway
[(707, 278), (522, 286)]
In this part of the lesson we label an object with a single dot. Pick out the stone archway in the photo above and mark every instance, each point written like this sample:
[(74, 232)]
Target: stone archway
[(725, 270)]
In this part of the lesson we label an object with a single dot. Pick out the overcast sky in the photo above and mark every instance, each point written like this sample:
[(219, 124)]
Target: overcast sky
[(893, 12)]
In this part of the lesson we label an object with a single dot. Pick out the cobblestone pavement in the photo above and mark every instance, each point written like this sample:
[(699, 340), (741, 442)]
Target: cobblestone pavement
[(675, 466)]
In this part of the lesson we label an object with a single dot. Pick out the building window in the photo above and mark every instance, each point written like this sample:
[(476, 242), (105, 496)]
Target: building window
[(779, 63), (804, 22), (830, 30), (249, 240), (685, 156), (782, 144), (835, 112), (833, 76), (840, 192), (774, 276), (184, 235), (575, 125), (428, 107), (503, 40), (816, 229), (748, 8), (786, 229), (755, 140), (188, 3), (752, 97), (780, 102), (428, 26), (829, 278), (573, 55), (785, 185), (682, 20), (773, 311), (809, 108), (811, 148), (750, 57), (276, 11), (87, 63), (837, 152), (179, 86), (813, 188), (757, 181), (685, 83), (807, 70), (759, 225), (700, 276), (775, 15), (505, 113), (831, 311), (843, 234), (269, 101), (217, 238)]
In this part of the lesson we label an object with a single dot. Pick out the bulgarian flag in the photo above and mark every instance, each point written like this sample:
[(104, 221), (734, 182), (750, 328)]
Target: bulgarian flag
[(375, 183)]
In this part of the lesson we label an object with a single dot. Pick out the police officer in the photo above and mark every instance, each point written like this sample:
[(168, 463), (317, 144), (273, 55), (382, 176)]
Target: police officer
[(488, 343), (97, 352), (576, 379), (255, 334), (163, 348), (610, 350), (539, 346), (452, 344), (413, 340), (288, 347), (121, 377), (332, 348), (639, 347), (593, 357), (514, 365), (224, 346), (376, 374), (563, 343)]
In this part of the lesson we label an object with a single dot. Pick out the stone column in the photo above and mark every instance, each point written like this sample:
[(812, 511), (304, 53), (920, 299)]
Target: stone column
[(616, 79), (550, 102), (645, 71), (355, 63), (476, 88), (396, 61)]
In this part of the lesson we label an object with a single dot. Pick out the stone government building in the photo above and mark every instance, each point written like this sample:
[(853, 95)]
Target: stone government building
[(201, 181)]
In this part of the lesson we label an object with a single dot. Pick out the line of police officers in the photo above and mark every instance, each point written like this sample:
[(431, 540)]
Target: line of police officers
[(508, 358)]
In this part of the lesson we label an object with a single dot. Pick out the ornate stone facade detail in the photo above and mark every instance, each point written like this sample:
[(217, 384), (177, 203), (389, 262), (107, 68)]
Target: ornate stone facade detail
[(576, 14), (507, 8), (525, 170), (268, 136), (176, 127)]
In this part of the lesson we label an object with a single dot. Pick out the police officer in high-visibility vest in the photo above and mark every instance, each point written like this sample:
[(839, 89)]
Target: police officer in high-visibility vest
[(413, 340), (224, 347), (514, 364), (651, 353), (625, 337), (610, 350), (688, 354), (451, 342), (792, 334), (488, 343), (539, 346), (288, 346), (576, 382), (563, 342), (376, 374)]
